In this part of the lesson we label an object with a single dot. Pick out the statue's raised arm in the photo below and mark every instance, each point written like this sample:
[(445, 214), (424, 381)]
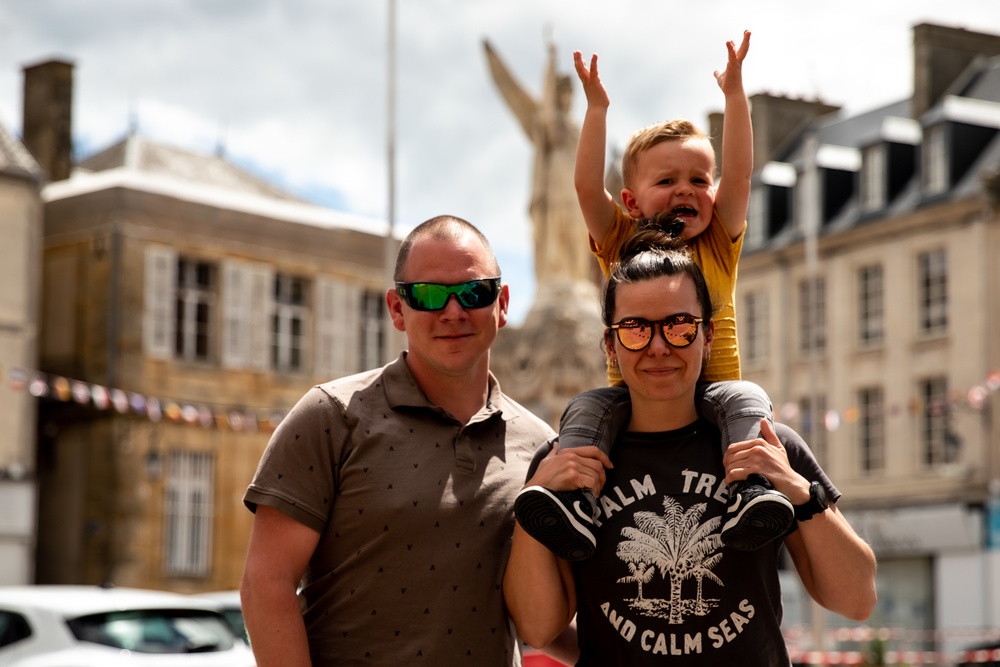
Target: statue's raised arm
[(523, 106), (560, 237)]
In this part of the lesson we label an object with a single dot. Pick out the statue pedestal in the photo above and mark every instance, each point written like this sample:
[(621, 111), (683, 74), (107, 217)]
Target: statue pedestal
[(557, 353)]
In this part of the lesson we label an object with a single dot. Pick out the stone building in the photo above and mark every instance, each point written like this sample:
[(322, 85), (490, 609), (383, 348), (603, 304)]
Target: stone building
[(186, 307), (869, 308), (21, 181)]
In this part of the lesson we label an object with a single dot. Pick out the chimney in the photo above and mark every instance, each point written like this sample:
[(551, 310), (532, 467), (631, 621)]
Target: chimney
[(940, 56), (48, 116)]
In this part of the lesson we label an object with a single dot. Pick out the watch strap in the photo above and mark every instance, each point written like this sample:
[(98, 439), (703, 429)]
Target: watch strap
[(814, 505)]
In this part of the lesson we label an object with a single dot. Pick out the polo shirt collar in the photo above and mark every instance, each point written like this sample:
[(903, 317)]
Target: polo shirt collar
[(401, 391)]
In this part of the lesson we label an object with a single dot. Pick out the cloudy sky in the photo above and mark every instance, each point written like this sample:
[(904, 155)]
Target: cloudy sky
[(296, 89)]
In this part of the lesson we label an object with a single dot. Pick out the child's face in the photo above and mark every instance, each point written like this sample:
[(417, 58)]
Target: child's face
[(677, 176)]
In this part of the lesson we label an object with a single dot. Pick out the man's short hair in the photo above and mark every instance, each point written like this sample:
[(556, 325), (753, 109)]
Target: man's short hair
[(647, 137), (441, 227)]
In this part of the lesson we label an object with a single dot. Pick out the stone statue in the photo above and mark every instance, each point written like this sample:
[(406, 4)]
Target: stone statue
[(560, 235), (557, 352)]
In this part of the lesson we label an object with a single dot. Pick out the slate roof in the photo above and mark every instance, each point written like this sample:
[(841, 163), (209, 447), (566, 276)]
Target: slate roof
[(140, 164), (16, 160), (140, 154), (973, 99)]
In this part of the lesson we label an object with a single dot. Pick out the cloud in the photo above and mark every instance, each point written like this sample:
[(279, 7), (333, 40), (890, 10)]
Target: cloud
[(297, 88)]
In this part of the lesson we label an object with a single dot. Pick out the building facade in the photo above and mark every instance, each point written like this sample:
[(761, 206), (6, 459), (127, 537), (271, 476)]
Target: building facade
[(869, 308), (21, 180), (186, 307)]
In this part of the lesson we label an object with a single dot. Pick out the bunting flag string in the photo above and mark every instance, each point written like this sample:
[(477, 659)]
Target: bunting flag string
[(58, 388), (240, 418), (974, 397)]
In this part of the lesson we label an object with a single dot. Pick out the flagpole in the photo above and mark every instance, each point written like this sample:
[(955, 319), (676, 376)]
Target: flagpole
[(390, 255)]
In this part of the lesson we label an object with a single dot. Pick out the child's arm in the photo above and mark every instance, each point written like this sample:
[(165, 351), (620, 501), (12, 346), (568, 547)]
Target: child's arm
[(596, 202), (733, 196)]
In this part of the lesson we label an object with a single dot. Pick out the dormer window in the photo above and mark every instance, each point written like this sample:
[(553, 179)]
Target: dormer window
[(873, 178), (770, 203), (934, 163), (838, 168), (756, 218)]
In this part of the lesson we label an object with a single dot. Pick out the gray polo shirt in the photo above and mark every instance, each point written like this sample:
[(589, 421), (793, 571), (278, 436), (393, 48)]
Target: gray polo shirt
[(414, 511)]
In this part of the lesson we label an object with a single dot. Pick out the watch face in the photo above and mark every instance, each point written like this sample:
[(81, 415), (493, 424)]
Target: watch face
[(818, 492)]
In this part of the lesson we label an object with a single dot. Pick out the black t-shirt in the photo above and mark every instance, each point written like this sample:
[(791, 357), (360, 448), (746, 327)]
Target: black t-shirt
[(661, 587)]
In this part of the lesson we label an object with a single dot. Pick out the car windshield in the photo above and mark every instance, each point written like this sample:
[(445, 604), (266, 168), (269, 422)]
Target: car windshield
[(156, 631)]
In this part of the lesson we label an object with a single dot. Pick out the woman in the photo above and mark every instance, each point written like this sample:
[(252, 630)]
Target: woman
[(661, 586)]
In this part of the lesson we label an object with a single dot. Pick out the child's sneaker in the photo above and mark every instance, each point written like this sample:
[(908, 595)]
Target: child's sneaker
[(756, 514), (563, 521)]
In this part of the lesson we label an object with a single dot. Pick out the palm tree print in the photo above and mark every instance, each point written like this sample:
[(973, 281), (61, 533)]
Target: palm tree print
[(677, 544), (641, 574)]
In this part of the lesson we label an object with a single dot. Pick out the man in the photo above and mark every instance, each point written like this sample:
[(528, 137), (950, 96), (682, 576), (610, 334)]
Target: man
[(388, 495)]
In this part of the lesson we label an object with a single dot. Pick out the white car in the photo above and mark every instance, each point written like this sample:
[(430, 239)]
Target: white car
[(229, 604), (89, 626)]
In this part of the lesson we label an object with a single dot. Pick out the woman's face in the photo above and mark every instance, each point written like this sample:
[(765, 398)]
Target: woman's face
[(660, 372)]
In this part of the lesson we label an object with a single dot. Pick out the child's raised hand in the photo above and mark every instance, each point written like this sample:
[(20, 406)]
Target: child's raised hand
[(597, 96), (731, 80)]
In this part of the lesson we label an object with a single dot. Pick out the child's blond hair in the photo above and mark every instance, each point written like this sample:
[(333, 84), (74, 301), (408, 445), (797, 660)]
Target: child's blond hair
[(651, 135)]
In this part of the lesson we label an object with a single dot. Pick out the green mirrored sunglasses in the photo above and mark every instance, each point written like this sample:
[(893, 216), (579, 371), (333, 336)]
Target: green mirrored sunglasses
[(478, 293)]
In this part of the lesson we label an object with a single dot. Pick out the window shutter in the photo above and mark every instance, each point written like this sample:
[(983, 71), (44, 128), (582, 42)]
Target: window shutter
[(261, 311), (338, 322), (350, 331), (158, 301), (237, 300)]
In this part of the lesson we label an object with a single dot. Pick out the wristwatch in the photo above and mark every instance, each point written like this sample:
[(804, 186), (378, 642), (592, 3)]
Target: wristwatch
[(818, 502)]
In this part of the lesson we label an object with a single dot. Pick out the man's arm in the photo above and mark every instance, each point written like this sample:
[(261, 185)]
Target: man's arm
[(733, 196), (836, 566), (279, 551), (596, 203)]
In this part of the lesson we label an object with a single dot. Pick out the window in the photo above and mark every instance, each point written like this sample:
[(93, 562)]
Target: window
[(188, 513), (871, 429), (940, 445), (13, 628), (757, 218), (934, 163), (160, 631), (754, 347), (288, 323), (372, 329), (873, 178), (933, 291), (813, 427), (870, 313), (194, 308), (812, 313)]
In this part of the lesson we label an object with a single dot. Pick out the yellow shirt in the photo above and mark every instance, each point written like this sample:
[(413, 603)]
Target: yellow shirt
[(717, 256)]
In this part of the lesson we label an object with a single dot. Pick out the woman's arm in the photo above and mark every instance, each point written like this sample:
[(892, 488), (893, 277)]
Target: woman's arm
[(539, 590), (836, 566), (538, 587)]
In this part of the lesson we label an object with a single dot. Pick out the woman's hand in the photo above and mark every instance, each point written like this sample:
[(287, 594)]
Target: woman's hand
[(766, 456), (569, 469)]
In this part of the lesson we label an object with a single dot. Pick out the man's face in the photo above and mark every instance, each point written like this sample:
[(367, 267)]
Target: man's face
[(455, 340), (675, 176)]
